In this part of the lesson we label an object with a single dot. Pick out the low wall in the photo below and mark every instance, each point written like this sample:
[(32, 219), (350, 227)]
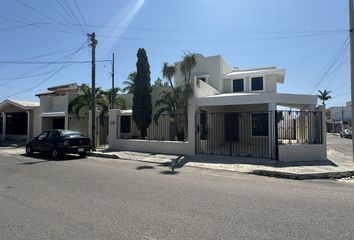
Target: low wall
[(152, 146), (302, 152)]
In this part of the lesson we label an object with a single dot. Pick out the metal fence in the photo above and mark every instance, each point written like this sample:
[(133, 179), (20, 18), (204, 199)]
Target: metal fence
[(168, 127), (299, 127), (242, 134)]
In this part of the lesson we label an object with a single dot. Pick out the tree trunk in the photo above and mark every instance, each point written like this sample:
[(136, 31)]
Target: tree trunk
[(143, 133)]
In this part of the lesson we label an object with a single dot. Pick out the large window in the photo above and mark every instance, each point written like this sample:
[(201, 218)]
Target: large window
[(257, 84), (237, 85), (125, 124), (260, 124)]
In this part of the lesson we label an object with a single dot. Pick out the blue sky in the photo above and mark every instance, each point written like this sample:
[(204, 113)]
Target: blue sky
[(305, 37)]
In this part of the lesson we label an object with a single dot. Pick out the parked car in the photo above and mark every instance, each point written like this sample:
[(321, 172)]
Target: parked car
[(58, 142), (347, 133)]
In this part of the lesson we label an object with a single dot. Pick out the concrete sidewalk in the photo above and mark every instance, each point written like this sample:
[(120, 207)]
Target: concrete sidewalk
[(338, 164)]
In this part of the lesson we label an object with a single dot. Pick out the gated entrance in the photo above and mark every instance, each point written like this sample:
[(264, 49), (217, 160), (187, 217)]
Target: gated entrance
[(241, 134)]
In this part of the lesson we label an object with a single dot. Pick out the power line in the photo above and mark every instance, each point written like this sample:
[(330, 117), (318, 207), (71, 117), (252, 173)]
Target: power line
[(70, 17), (52, 75), (81, 16), (49, 62), (339, 53)]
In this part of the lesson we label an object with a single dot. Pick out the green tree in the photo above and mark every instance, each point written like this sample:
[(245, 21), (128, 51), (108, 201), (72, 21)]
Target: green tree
[(83, 101), (188, 63), (158, 82), (142, 106), (324, 96), (168, 72), (115, 100), (130, 83)]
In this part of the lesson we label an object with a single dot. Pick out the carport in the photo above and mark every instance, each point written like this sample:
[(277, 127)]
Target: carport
[(17, 119)]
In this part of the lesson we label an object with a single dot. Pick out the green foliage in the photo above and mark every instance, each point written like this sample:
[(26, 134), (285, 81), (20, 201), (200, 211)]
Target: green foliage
[(142, 106), (168, 72), (324, 96), (130, 83), (83, 100), (158, 82), (115, 99)]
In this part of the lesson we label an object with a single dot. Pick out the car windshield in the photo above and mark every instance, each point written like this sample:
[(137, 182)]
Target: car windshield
[(69, 133)]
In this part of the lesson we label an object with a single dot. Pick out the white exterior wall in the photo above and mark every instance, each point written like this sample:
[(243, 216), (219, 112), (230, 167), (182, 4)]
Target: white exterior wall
[(302, 152), (213, 66), (36, 121), (341, 113)]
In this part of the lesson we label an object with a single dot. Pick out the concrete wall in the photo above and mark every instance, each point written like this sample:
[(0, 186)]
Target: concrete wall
[(211, 66), (36, 121), (341, 113), (302, 152)]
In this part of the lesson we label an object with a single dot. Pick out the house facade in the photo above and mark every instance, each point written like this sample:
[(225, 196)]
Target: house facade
[(18, 119), (235, 112)]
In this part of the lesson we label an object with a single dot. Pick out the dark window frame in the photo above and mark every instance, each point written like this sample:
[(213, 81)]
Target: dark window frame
[(125, 126), (253, 85), (260, 124), (243, 85)]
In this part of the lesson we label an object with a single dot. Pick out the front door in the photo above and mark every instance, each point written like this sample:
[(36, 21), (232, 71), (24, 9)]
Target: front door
[(231, 130)]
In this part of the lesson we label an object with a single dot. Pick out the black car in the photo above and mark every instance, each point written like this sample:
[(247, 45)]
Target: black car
[(57, 142)]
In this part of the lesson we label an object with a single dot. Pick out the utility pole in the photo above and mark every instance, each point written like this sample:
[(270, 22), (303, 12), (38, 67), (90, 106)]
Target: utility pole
[(113, 92), (351, 34), (93, 44)]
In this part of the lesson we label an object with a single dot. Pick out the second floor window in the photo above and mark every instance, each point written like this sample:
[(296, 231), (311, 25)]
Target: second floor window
[(237, 85), (257, 84)]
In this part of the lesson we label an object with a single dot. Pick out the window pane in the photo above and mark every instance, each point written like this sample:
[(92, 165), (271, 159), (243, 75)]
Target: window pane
[(125, 124), (257, 83), (260, 124), (238, 85)]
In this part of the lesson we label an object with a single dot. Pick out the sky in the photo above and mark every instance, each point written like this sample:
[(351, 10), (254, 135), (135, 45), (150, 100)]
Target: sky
[(307, 38)]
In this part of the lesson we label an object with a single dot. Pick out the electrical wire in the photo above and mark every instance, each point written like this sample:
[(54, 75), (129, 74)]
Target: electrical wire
[(48, 78)]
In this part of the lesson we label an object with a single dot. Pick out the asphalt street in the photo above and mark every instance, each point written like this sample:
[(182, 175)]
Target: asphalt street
[(343, 145), (95, 198)]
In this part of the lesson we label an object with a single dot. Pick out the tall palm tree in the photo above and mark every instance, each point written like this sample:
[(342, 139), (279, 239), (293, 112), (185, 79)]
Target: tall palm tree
[(115, 100), (324, 96), (130, 83), (168, 71), (83, 100)]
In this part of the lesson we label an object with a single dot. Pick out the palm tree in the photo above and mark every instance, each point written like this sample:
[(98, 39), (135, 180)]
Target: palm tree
[(83, 100), (168, 71), (130, 83), (324, 96), (118, 102), (169, 101)]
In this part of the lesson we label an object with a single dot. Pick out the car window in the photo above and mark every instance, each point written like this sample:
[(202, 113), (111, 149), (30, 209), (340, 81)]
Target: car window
[(42, 136), (52, 135)]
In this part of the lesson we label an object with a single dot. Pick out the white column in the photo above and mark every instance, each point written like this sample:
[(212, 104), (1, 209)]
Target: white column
[(28, 124), (3, 126), (90, 125), (66, 122)]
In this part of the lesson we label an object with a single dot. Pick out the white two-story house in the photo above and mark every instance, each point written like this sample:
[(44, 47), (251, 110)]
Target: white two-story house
[(237, 112)]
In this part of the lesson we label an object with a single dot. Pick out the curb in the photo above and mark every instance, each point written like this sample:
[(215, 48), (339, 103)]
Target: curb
[(304, 176), (268, 173), (103, 155)]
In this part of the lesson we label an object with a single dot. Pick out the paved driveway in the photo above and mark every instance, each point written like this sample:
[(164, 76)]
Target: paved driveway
[(343, 145)]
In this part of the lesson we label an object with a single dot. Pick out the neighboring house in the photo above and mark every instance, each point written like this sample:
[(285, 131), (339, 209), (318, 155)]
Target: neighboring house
[(341, 113), (54, 106), (234, 112), (17, 119)]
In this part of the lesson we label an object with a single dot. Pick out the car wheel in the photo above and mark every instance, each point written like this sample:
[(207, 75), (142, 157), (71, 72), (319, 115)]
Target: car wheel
[(83, 154), (29, 150), (54, 153)]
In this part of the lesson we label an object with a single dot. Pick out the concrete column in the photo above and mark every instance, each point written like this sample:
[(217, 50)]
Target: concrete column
[(272, 118), (28, 125), (90, 124), (324, 128), (3, 126), (192, 106), (113, 128), (66, 122)]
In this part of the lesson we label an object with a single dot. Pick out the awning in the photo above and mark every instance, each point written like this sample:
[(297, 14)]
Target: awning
[(53, 114)]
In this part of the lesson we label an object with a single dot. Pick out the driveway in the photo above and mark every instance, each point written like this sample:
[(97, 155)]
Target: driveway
[(343, 145)]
